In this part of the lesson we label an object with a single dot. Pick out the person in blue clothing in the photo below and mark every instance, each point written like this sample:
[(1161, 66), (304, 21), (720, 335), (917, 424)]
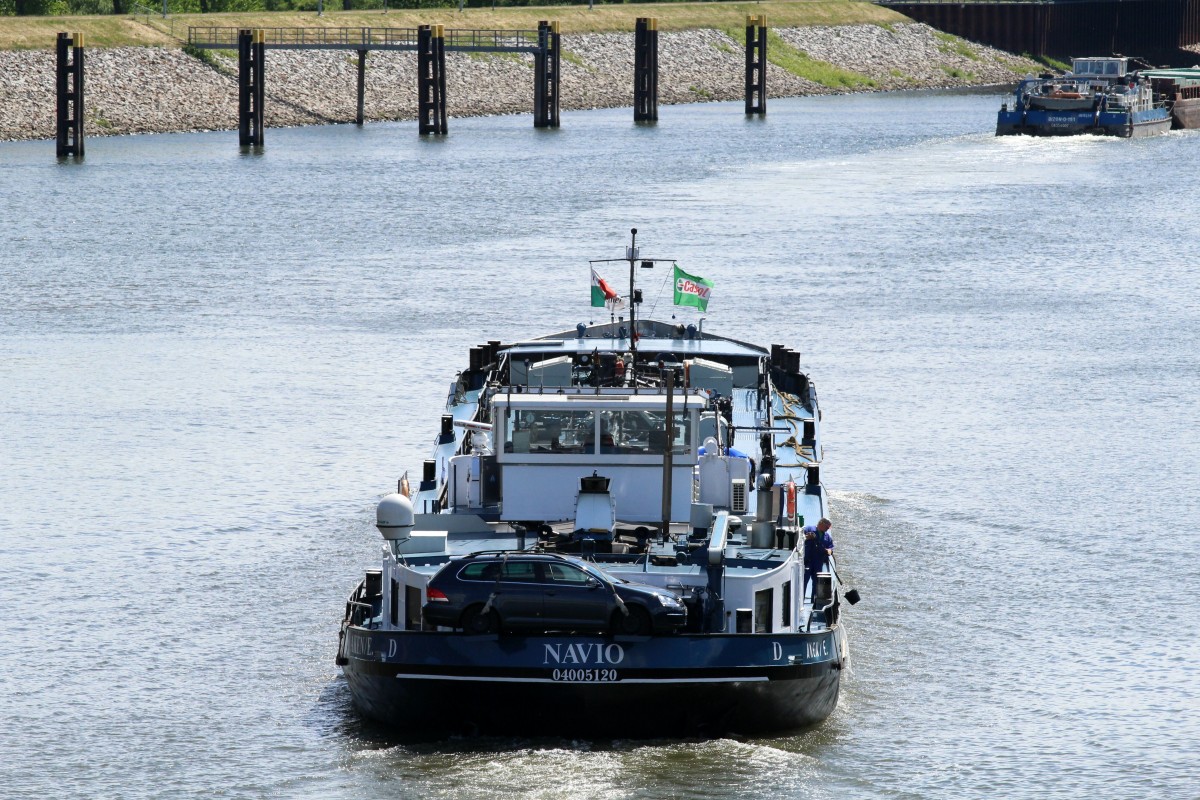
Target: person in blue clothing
[(818, 547)]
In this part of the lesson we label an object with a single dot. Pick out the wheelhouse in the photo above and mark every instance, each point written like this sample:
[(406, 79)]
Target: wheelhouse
[(547, 442), (1113, 68)]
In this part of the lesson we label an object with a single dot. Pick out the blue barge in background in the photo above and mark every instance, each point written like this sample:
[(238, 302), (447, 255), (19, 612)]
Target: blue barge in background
[(1099, 96)]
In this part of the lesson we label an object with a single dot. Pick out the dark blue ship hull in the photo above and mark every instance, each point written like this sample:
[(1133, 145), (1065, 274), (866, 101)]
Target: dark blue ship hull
[(430, 684), (1039, 122)]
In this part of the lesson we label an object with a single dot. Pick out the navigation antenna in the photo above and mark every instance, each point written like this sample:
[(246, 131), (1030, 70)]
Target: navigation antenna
[(633, 256)]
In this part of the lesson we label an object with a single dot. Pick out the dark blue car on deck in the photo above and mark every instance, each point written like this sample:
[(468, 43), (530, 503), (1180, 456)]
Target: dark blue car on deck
[(491, 592)]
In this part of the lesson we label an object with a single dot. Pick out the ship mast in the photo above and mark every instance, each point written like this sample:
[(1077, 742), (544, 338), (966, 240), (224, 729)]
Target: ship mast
[(633, 256)]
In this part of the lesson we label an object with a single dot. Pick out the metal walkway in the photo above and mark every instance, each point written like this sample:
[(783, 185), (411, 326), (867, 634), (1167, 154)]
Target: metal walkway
[(429, 42), (465, 41)]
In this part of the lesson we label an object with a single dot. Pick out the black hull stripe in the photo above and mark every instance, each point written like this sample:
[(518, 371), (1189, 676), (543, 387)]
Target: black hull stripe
[(496, 679), (627, 675)]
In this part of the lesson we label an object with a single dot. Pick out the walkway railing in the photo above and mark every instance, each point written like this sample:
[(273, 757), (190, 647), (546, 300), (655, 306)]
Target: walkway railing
[(226, 38)]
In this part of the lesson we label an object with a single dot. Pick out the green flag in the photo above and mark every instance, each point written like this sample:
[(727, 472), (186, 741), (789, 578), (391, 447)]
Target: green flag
[(691, 290)]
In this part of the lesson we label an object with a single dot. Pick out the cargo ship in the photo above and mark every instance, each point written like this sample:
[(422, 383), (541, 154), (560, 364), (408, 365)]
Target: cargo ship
[(1099, 96), (612, 537)]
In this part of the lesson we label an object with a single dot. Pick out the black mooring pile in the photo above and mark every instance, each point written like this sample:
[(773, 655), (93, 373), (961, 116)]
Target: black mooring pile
[(69, 85), (545, 79), (645, 70), (251, 83), (431, 79), (756, 64), (362, 80)]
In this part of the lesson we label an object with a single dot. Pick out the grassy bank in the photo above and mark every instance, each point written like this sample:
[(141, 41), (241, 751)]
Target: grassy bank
[(799, 63), (110, 31)]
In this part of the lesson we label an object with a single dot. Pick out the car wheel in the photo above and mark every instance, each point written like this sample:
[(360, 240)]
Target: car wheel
[(635, 623), (474, 620)]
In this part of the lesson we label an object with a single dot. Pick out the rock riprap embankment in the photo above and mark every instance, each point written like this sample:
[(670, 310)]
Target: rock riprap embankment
[(157, 90)]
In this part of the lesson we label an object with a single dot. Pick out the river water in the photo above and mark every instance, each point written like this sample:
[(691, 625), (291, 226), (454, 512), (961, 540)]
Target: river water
[(212, 364)]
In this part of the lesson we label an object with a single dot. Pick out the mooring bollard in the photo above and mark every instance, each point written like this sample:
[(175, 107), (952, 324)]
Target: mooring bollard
[(431, 79), (251, 74), (69, 84), (756, 64), (645, 70), (546, 75)]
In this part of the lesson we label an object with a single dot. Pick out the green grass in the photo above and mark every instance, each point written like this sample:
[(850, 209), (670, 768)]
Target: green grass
[(199, 55), (39, 33), (210, 57), (961, 74), (572, 58), (513, 58), (1014, 66), (1053, 63), (952, 45), (701, 92), (113, 31), (801, 64)]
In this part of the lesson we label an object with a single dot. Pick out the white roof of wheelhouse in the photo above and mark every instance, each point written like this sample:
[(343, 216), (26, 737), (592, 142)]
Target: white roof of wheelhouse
[(647, 347), (644, 401)]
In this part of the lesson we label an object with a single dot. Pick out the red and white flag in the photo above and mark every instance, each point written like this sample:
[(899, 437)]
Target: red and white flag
[(604, 295)]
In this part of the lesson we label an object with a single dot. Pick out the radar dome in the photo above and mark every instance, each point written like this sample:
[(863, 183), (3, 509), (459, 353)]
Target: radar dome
[(394, 517)]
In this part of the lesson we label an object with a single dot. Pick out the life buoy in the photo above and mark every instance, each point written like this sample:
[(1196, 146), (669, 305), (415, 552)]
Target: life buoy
[(1067, 95)]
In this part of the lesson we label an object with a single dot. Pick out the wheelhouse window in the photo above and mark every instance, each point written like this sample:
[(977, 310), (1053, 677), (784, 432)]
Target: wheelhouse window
[(551, 431), (547, 426), (643, 432)]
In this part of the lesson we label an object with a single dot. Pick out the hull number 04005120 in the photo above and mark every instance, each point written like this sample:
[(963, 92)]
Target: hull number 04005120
[(585, 675)]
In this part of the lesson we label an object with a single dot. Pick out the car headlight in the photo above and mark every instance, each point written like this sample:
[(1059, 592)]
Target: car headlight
[(670, 601)]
